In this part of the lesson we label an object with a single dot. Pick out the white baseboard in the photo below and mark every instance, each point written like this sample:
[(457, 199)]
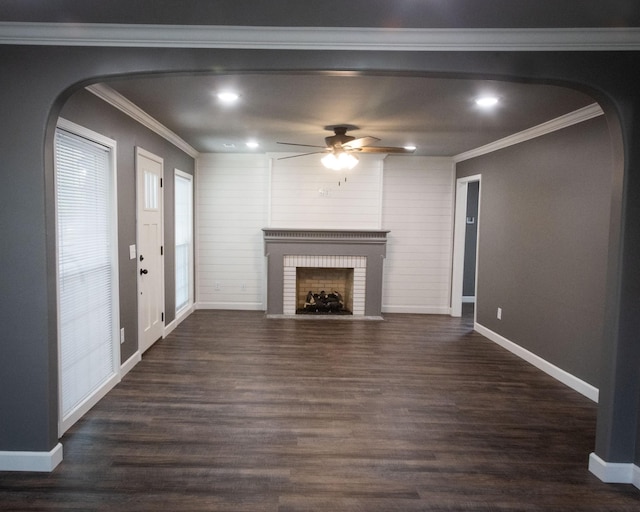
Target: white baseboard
[(168, 329), (563, 376), (417, 310), (128, 365), (241, 306), (468, 299), (614, 472), (31, 461)]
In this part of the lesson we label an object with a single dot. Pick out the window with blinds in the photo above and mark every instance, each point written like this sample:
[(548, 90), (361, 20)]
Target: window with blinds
[(184, 239), (87, 273)]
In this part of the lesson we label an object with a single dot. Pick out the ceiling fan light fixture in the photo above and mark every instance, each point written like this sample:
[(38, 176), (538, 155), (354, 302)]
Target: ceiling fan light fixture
[(339, 162)]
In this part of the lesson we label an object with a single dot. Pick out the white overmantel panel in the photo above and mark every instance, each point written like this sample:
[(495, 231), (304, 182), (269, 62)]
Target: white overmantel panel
[(304, 194)]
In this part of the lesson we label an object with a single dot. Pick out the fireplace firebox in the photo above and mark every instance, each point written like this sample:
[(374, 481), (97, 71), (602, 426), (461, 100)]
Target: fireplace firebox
[(324, 291)]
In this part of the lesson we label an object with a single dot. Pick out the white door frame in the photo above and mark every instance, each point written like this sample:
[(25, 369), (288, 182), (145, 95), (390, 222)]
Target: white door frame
[(140, 265), (459, 232)]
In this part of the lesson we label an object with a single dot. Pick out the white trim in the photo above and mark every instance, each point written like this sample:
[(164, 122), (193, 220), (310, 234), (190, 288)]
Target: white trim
[(81, 131), (468, 299), (237, 306), (130, 363), (141, 152), (64, 423), (321, 38), (614, 472), (117, 100), (417, 310), (578, 116), (85, 406), (169, 328), (31, 461), (188, 307), (559, 374), (183, 314), (459, 240)]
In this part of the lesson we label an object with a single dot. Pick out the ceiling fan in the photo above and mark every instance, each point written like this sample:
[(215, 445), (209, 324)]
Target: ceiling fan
[(340, 144)]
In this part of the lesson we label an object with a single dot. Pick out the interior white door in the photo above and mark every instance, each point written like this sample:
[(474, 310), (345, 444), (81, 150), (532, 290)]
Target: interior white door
[(149, 170)]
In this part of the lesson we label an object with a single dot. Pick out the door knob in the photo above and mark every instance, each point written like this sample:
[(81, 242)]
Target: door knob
[(143, 271)]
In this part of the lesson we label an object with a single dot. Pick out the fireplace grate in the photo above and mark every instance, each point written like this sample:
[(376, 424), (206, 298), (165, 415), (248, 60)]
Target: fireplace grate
[(324, 303)]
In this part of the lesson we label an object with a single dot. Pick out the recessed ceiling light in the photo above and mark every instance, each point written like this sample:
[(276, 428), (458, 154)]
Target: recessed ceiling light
[(486, 101), (252, 144), (228, 96), (410, 148)]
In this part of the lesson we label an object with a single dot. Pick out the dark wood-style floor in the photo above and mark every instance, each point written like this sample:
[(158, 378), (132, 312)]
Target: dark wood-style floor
[(237, 412)]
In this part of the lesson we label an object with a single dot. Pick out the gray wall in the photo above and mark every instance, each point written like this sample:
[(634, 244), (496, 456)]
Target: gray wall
[(543, 244), (91, 112)]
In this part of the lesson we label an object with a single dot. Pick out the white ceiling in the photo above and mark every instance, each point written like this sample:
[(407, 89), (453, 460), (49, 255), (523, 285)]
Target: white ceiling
[(438, 115)]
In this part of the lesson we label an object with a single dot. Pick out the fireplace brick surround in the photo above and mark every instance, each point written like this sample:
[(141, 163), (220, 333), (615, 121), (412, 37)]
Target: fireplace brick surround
[(363, 250)]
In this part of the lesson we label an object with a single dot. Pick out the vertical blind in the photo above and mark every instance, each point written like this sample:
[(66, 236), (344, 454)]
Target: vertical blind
[(183, 220), (85, 268)]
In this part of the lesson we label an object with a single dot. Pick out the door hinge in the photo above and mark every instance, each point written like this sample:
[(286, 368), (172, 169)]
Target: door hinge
[(161, 250), (162, 317), (160, 182)]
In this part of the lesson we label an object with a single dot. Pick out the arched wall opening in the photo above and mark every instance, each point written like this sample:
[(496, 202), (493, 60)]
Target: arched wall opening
[(68, 69)]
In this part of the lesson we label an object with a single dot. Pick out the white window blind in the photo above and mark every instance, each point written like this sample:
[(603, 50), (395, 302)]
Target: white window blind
[(184, 236), (86, 271)]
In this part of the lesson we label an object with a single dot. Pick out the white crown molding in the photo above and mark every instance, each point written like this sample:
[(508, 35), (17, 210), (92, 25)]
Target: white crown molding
[(578, 116), (320, 38), (116, 99)]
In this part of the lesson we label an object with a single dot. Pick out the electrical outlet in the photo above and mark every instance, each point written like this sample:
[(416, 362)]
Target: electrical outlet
[(121, 336), (216, 287), (499, 314)]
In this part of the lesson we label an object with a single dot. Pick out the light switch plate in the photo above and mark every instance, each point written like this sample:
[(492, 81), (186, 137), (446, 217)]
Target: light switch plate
[(132, 252)]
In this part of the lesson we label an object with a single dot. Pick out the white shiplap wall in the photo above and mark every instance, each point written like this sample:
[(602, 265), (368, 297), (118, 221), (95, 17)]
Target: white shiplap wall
[(238, 195), (231, 211), (417, 207), (306, 195)]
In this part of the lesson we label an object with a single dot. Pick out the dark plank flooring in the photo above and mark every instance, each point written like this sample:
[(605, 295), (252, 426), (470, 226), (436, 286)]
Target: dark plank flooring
[(237, 412)]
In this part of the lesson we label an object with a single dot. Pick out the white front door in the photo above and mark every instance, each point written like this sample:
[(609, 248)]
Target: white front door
[(149, 170)]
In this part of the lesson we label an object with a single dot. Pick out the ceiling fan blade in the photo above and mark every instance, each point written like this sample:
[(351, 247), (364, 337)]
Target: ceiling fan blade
[(359, 143), (304, 145), (383, 149), (301, 154)]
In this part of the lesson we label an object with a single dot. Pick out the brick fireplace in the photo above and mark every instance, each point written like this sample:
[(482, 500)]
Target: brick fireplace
[(349, 260)]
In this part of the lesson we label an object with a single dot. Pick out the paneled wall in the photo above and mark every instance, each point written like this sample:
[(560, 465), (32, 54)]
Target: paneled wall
[(306, 195), (417, 207), (238, 195), (231, 211)]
